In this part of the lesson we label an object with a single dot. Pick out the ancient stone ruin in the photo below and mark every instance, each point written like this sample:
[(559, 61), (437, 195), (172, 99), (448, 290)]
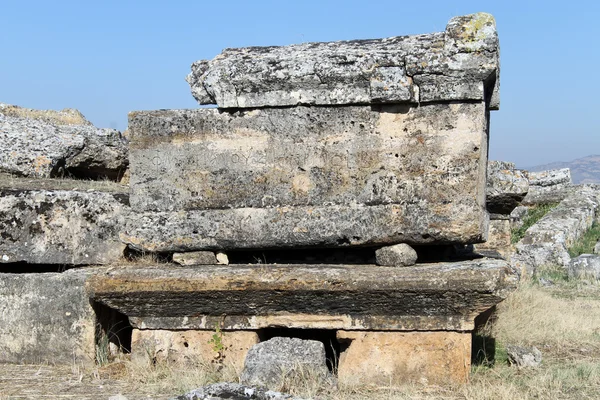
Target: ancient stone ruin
[(327, 197)]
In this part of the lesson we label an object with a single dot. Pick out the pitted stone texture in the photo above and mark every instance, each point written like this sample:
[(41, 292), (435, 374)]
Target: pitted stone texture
[(398, 255), (456, 64), (308, 176), (36, 144), (46, 318), (440, 296), (506, 187), (191, 346), (61, 226), (269, 363), (547, 187), (384, 358), (586, 266), (195, 258), (231, 391), (546, 243), (498, 238), (524, 357)]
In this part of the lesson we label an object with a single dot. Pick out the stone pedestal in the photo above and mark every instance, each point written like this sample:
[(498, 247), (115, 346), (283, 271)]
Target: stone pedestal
[(384, 358), (227, 348)]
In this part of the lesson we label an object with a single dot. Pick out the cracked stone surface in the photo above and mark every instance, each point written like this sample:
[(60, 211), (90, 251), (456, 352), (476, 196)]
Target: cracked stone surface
[(461, 63)]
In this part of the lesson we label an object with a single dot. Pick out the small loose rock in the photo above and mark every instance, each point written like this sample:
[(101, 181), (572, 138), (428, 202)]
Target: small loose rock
[(399, 255), (524, 357)]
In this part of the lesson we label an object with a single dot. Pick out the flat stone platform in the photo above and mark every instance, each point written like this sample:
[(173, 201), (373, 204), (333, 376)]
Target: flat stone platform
[(426, 297)]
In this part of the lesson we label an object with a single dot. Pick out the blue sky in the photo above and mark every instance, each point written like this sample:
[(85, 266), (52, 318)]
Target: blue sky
[(111, 57)]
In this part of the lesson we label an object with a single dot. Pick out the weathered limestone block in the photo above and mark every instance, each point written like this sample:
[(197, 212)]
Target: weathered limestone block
[(458, 64), (269, 362), (547, 187), (506, 187), (384, 358), (60, 226), (308, 176), (498, 238), (192, 345), (50, 144), (398, 255), (46, 318), (441, 296), (195, 258), (597, 248), (546, 243)]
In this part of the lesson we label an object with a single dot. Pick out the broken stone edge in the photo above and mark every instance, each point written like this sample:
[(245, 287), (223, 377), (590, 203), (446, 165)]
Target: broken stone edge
[(461, 63)]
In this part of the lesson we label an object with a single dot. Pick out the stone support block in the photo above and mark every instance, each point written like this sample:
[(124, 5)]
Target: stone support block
[(223, 347), (384, 358)]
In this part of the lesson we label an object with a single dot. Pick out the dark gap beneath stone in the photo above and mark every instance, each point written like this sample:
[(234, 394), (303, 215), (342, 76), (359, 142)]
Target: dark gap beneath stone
[(111, 327), (483, 346), (333, 348), (26, 268), (359, 255)]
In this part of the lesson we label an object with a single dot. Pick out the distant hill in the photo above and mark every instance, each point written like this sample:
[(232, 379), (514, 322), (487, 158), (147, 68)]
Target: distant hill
[(583, 170)]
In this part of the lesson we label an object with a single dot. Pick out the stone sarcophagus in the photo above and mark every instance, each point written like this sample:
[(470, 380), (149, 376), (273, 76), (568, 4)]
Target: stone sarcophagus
[(372, 142), (328, 158)]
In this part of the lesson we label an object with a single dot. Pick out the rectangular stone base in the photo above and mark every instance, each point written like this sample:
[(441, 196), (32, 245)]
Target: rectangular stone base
[(46, 318), (421, 357), (228, 348)]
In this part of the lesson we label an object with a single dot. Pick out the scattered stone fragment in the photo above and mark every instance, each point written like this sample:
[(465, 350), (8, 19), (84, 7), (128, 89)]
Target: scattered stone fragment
[(458, 64), (547, 187), (196, 258), (230, 391), (269, 363), (398, 255), (56, 145), (524, 357), (222, 258), (586, 266), (506, 187), (597, 248)]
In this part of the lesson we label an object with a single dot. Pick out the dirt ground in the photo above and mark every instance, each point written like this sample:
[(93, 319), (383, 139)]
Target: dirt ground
[(60, 382)]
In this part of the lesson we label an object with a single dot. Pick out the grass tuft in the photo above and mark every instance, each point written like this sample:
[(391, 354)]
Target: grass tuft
[(534, 214), (585, 244)]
